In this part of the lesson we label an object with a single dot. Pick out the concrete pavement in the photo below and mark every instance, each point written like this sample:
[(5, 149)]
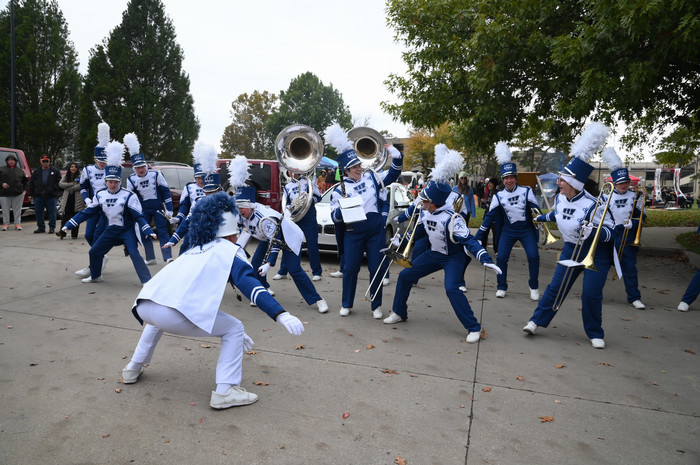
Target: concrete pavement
[(359, 391)]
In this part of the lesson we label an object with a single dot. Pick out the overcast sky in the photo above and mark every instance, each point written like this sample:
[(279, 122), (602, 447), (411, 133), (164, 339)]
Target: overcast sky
[(234, 47)]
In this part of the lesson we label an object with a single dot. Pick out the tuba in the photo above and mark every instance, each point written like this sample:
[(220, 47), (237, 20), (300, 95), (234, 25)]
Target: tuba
[(369, 147), (299, 149)]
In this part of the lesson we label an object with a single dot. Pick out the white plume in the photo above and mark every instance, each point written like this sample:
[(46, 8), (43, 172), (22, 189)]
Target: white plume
[(611, 158), (207, 158), (337, 138), (132, 143), (238, 171), (199, 147), (440, 151), (102, 134), (450, 165), (503, 154), (115, 153), (591, 140)]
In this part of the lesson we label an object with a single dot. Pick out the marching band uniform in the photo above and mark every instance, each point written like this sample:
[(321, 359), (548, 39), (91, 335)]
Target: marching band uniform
[(514, 205), (691, 293), (442, 254), (363, 236), (245, 198), (121, 209), (571, 214), (183, 298), (154, 195), (190, 194), (308, 225)]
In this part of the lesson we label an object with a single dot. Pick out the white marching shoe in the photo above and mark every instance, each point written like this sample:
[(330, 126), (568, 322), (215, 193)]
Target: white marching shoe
[(377, 313), (270, 291), (463, 288), (84, 273), (639, 305), (392, 318), (385, 282), (683, 307), (131, 376), (322, 306), (534, 294), (598, 343), (500, 293), (150, 262), (278, 276), (473, 337), (90, 280), (315, 278), (344, 311), (530, 327), (234, 397), (337, 274), (105, 259)]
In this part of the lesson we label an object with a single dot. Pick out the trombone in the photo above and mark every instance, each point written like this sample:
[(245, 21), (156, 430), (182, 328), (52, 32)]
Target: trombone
[(549, 237), (638, 236), (587, 261), (400, 255)]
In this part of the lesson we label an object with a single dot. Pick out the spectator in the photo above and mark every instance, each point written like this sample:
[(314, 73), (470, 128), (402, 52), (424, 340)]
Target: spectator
[(71, 201), (13, 181), (321, 181), (44, 188)]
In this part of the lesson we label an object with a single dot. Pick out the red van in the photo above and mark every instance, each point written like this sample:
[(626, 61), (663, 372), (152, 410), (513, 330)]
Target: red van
[(22, 163), (265, 177)]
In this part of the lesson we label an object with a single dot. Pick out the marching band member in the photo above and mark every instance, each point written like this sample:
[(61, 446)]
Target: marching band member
[(250, 214), (92, 180), (514, 205), (691, 293), (573, 211), (122, 209), (442, 225), (183, 299), (365, 235), (626, 213), (154, 194), (308, 224)]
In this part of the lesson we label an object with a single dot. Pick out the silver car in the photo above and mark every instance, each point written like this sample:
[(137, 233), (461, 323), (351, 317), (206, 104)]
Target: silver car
[(399, 200)]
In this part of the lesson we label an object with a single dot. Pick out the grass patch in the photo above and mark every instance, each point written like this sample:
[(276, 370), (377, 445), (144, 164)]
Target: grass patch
[(690, 241)]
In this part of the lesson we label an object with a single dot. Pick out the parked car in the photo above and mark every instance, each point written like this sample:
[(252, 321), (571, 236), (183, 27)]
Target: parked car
[(23, 163), (265, 177), (175, 174), (399, 200)]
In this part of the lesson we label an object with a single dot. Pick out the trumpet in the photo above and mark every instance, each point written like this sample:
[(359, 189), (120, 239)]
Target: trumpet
[(549, 237), (587, 261), (637, 242)]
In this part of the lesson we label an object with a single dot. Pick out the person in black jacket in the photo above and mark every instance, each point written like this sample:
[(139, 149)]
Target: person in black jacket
[(43, 186), (13, 181)]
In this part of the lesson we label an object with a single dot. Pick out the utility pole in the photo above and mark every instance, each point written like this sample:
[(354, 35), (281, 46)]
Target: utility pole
[(13, 125)]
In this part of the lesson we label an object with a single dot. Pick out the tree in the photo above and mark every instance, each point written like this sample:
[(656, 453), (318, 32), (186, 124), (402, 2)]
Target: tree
[(308, 101), (247, 134), (47, 81), (678, 148), (498, 68), (135, 83)]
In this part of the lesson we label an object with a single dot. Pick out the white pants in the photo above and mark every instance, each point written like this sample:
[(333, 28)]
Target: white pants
[(13, 203), (161, 319)]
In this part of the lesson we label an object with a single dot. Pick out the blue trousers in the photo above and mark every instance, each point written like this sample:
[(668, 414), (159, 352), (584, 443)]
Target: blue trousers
[(528, 238), (363, 237), (94, 226), (628, 263), (591, 296), (48, 203), (693, 289), (340, 240), (161, 231), (108, 239), (309, 227), (427, 263), (301, 280)]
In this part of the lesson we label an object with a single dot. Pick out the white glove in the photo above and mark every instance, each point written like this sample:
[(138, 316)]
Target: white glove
[(396, 240), (169, 213), (586, 230), (264, 268), (393, 151), (153, 236), (628, 224), (88, 202), (247, 343), (493, 267), (64, 229), (174, 220), (292, 323), (167, 245)]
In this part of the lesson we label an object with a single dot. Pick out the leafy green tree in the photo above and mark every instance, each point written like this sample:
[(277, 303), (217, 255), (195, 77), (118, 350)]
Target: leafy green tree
[(47, 81), (247, 134), (308, 101), (498, 68), (135, 83), (679, 148)]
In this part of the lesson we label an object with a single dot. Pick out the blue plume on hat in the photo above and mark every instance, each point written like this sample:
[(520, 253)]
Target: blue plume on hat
[(207, 216)]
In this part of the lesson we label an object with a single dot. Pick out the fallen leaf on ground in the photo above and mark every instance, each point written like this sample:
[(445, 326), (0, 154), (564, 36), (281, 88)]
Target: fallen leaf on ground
[(105, 435), (412, 375), (483, 334), (606, 364), (205, 346), (520, 378), (486, 389), (252, 352), (561, 365), (369, 346), (626, 319), (557, 402), (118, 390), (390, 372), (187, 348), (400, 460), (546, 419), (357, 350), (9, 327), (262, 383), (646, 337), (100, 379), (298, 346), (689, 351), (654, 383), (345, 415)]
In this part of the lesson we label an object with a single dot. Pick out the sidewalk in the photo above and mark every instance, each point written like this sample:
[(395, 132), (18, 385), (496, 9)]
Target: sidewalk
[(358, 392)]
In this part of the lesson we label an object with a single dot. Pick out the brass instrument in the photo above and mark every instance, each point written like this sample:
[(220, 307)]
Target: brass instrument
[(270, 228), (369, 147), (299, 149), (587, 262), (638, 236), (458, 203), (549, 237)]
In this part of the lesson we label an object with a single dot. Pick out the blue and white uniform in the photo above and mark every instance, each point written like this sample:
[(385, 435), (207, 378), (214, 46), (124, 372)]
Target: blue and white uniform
[(308, 223), (623, 207), (515, 207), (254, 228), (365, 236), (446, 255), (570, 215), (92, 180), (121, 210), (190, 195), (154, 194)]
